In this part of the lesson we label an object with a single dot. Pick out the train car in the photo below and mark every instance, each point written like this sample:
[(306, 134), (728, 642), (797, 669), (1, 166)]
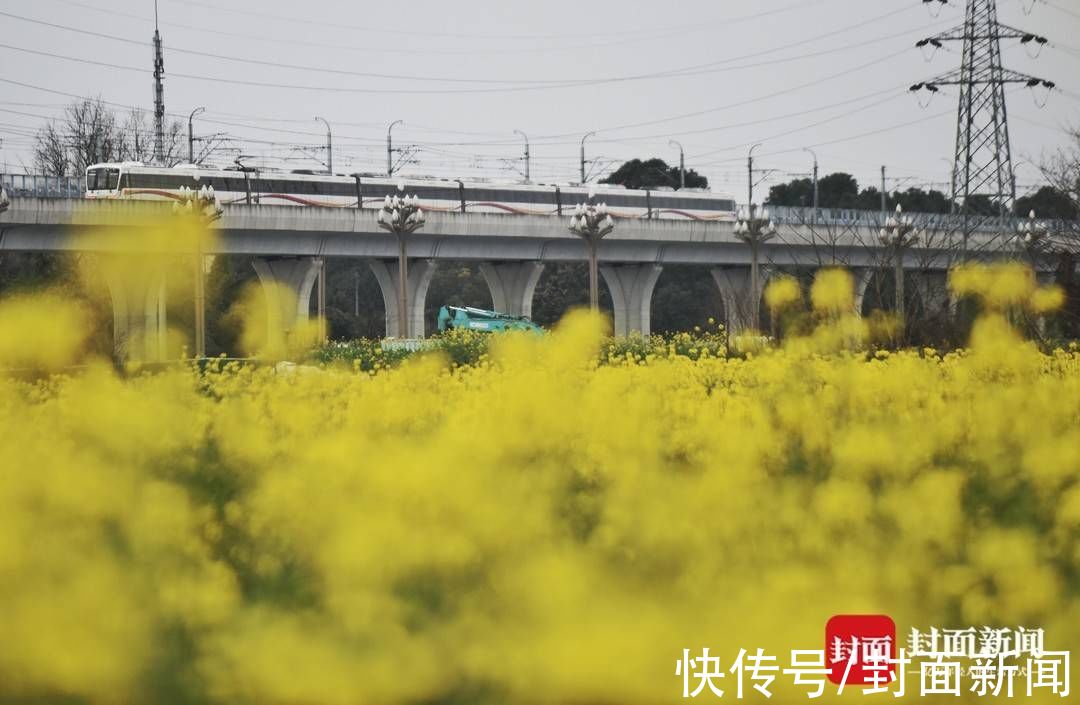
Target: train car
[(131, 180)]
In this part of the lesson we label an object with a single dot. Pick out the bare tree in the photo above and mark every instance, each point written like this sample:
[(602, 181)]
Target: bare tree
[(1062, 172), (137, 138), (86, 134), (90, 133), (50, 152)]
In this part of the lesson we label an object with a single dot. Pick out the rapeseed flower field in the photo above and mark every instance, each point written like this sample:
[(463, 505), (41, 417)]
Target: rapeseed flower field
[(549, 524)]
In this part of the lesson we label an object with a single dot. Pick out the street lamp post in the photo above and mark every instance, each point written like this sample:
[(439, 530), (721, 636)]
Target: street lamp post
[(591, 222), (526, 138), (682, 163), (898, 234), (952, 184), (191, 134), (390, 148), (1030, 235), (884, 194), (202, 204), (402, 215), (329, 147), (814, 155), (587, 136), (750, 177), (755, 231)]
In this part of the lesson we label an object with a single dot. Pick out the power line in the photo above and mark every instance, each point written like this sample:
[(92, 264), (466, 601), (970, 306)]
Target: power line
[(830, 142), (514, 86), (1065, 10), (891, 92), (742, 103), (274, 64), (306, 87), (503, 37), (473, 50)]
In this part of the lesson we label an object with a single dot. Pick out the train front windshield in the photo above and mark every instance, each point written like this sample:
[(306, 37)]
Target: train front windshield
[(102, 179)]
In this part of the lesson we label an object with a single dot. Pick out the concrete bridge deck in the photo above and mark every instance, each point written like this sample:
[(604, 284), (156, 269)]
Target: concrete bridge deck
[(290, 244)]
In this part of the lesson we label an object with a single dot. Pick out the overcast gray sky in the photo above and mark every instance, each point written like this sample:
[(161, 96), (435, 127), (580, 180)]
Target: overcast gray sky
[(464, 75)]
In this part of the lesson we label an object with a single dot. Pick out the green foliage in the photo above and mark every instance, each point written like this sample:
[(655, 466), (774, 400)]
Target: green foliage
[(1047, 202), (653, 173), (456, 284), (841, 190), (364, 354), (354, 302), (685, 296), (641, 349), (461, 346), (465, 348), (563, 286)]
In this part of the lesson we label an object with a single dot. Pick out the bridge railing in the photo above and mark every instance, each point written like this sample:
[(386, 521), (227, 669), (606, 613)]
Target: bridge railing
[(41, 186), (840, 217)]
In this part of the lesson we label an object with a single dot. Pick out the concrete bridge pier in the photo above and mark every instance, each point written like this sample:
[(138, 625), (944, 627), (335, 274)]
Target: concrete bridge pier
[(512, 285), (287, 283), (739, 301), (631, 288), (137, 289), (420, 273), (861, 277)]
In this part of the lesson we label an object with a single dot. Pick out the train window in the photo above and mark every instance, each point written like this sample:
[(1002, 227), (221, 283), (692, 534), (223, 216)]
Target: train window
[(143, 181), (511, 196), (378, 191), (102, 179), (156, 181), (436, 193), (238, 185), (340, 188)]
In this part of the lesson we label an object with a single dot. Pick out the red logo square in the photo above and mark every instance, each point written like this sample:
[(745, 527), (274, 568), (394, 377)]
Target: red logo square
[(858, 648)]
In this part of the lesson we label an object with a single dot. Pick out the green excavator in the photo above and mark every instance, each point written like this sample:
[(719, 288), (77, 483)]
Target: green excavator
[(478, 319)]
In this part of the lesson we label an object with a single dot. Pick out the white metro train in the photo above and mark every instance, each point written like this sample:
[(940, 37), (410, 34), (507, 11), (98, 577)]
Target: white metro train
[(132, 180)]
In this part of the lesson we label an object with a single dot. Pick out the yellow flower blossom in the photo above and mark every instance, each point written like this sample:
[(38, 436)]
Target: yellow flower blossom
[(536, 521)]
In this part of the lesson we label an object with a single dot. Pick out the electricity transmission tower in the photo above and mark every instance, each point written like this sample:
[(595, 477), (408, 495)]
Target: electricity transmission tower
[(983, 177)]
